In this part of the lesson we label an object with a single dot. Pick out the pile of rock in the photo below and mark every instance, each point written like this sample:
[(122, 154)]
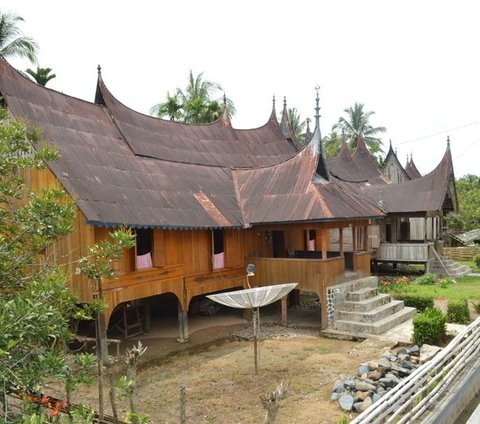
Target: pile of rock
[(374, 379)]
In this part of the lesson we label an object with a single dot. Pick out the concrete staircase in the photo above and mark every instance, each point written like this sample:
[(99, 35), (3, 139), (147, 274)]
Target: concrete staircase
[(361, 310), (455, 269)]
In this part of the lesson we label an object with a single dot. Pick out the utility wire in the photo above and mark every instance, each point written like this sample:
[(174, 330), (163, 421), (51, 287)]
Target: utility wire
[(438, 133)]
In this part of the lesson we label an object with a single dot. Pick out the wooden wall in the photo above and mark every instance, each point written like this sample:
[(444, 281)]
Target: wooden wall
[(68, 249), (182, 259)]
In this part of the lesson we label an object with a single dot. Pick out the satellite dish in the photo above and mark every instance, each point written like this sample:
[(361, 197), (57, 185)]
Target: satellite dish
[(253, 299)]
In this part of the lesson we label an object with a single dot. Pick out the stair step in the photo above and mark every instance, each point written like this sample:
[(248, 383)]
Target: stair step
[(373, 315), (362, 294), (367, 304), (378, 327)]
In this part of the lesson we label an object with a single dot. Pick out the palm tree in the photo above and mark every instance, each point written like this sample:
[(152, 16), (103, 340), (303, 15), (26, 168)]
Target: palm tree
[(13, 42), (357, 124), (41, 76), (297, 124), (332, 144), (194, 104), (172, 108)]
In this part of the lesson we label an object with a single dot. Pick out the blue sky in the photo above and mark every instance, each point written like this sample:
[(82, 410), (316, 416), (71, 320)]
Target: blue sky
[(415, 63)]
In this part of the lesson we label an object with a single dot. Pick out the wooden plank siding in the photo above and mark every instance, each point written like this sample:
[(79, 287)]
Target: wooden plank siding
[(67, 250), (403, 252), (182, 259)]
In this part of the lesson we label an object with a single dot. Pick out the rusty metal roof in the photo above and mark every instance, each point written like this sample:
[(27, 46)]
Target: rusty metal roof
[(125, 168), (411, 170), (112, 185), (422, 195), (357, 168), (215, 144), (286, 192)]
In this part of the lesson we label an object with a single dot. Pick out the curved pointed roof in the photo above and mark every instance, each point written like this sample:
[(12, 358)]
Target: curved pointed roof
[(392, 168), (356, 168), (115, 164), (286, 127), (424, 194), (412, 170), (289, 192), (213, 144)]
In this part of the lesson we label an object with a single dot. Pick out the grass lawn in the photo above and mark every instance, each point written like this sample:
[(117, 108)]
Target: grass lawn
[(462, 288), (471, 265)]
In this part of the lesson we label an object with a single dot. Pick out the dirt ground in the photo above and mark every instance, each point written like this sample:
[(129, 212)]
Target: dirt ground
[(221, 386)]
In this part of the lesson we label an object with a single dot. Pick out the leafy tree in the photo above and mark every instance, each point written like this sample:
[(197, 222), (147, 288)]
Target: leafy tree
[(297, 124), (468, 193), (12, 41), (36, 307), (194, 104), (172, 108), (41, 75), (356, 124), (332, 144)]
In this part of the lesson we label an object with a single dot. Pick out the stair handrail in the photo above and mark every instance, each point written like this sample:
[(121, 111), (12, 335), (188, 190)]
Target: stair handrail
[(439, 258), (426, 384)]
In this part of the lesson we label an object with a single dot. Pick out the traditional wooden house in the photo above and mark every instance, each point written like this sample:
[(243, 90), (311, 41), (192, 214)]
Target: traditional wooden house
[(415, 206), (203, 200)]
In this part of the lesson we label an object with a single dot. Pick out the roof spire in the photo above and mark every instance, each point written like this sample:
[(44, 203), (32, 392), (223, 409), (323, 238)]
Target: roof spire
[(99, 69), (316, 144), (448, 141), (273, 115), (317, 108), (285, 125), (224, 100)]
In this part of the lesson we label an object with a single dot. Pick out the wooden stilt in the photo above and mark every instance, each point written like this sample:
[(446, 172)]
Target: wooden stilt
[(146, 314), (182, 325), (284, 310)]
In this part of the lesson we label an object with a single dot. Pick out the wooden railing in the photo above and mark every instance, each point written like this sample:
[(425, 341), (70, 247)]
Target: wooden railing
[(310, 274), (404, 252)]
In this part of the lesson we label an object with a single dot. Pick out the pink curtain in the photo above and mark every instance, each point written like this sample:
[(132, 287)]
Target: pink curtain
[(144, 261), (311, 245), (219, 260)]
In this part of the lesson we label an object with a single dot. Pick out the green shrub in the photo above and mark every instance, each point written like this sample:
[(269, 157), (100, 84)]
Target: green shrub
[(415, 301), (476, 259), (447, 281), (476, 306), (457, 311), (429, 327), (426, 280)]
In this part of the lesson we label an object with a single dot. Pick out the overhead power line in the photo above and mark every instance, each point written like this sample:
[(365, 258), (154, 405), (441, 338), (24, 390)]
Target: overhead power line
[(438, 133)]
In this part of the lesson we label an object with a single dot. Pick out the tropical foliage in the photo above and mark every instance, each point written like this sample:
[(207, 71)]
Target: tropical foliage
[(468, 193), (12, 41), (354, 125), (36, 308), (41, 75), (197, 103), (297, 124)]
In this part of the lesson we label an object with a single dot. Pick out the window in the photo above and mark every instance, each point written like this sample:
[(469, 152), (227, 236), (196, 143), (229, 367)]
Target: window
[(218, 249), (310, 240), (144, 248)]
